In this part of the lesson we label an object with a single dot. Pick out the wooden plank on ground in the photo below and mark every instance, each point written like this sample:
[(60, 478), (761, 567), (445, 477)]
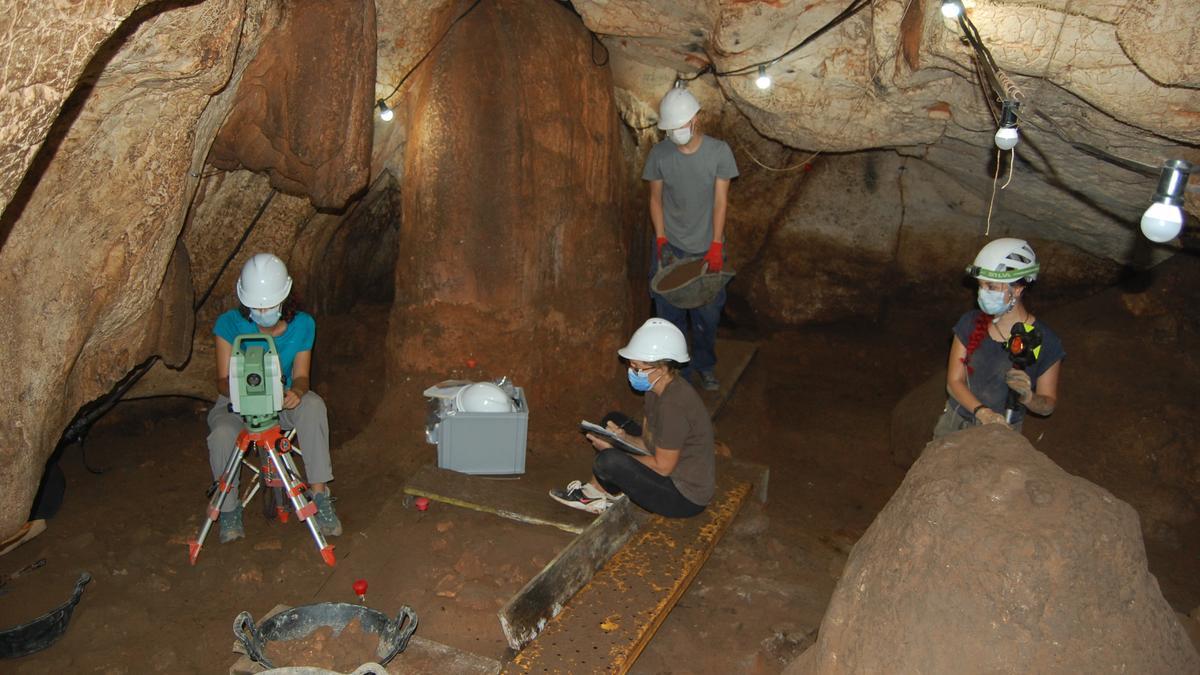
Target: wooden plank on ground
[(733, 357), (527, 613), (755, 474), (607, 624), (520, 498)]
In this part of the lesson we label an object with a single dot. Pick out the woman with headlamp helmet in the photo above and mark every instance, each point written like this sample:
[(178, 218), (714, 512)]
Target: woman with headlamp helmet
[(981, 371), (263, 289)]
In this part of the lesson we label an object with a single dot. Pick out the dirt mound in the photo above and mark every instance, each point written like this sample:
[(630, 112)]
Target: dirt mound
[(991, 558)]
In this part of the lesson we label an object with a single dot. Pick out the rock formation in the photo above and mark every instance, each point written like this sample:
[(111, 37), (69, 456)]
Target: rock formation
[(511, 251), (990, 558)]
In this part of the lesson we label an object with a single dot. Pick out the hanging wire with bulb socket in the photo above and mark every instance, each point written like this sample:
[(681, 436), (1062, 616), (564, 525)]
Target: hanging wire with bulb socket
[(762, 79), (385, 111), (1161, 222)]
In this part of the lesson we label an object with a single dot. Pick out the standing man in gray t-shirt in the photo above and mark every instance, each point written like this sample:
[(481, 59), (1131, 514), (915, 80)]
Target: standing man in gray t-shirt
[(689, 176)]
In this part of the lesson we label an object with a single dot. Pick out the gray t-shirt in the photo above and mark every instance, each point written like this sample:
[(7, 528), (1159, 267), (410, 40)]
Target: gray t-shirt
[(688, 185), (678, 420)]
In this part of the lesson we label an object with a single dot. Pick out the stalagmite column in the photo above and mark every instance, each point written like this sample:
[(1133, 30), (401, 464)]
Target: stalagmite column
[(511, 250)]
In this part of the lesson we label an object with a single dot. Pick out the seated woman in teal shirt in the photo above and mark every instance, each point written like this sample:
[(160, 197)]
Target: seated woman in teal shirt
[(263, 290)]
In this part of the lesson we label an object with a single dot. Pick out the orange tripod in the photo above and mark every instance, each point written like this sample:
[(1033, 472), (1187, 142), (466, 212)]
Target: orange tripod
[(278, 471)]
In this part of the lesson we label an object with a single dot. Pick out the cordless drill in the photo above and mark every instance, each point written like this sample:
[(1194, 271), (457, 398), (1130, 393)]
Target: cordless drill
[(1024, 345)]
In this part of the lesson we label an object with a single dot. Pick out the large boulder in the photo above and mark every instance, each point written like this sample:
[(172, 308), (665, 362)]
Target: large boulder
[(991, 559)]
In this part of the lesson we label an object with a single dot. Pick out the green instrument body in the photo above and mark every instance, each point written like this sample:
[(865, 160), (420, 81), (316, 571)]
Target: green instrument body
[(256, 381)]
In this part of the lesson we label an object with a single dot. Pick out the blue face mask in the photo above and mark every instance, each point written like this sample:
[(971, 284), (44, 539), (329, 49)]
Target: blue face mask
[(993, 302), (266, 317), (639, 380)]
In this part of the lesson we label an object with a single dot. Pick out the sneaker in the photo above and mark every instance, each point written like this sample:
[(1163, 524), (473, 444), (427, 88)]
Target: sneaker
[(582, 496), (231, 525), (327, 520), (709, 381)]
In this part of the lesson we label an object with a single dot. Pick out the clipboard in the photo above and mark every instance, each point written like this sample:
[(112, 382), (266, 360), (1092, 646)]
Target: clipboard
[(609, 436)]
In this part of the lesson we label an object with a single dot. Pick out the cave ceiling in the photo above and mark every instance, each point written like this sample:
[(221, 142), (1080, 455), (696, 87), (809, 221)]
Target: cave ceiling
[(1103, 83)]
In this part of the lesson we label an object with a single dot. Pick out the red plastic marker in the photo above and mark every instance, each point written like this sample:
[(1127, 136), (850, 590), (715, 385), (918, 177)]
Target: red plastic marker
[(422, 503), (360, 589), (471, 363)]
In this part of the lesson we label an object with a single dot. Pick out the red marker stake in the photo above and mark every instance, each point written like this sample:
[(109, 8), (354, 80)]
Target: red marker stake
[(422, 503), (360, 589), (471, 363)]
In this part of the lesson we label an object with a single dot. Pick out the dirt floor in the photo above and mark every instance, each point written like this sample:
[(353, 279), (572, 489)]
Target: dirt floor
[(814, 406)]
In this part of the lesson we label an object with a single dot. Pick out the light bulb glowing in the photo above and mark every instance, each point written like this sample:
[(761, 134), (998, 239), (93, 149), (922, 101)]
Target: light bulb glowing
[(1007, 138), (385, 113), (951, 9), (1162, 222), (763, 81)]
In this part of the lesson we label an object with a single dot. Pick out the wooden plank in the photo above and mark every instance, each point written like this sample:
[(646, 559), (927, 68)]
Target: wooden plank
[(527, 613), (521, 498), (733, 357), (607, 624), (755, 474)]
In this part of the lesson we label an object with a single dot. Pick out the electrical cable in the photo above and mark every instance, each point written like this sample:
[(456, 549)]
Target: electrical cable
[(846, 121), (853, 8), (237, 247), (431, 50)]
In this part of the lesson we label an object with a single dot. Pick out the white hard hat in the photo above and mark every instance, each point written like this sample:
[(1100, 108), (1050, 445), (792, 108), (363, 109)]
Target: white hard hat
[(1005, 260), (678, 108), (656, 340), (482, 397), (264, 281)]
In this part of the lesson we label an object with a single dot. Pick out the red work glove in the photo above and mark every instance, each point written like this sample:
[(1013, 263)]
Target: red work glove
[(714, 258), (658, 244)]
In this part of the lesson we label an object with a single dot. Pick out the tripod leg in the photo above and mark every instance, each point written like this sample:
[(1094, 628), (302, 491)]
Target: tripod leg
[(224, 487), (305, 509)]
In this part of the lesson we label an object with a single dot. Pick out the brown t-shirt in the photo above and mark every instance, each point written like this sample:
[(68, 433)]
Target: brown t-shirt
[(678, 420)]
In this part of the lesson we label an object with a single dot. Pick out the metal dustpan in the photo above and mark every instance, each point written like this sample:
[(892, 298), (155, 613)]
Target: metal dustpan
[(687, 283), (298, 622), (43, 631)]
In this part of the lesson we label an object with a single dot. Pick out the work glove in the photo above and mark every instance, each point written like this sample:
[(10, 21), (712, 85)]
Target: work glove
[(1018, 381), (658, 244), (714, 258), (989, 416)]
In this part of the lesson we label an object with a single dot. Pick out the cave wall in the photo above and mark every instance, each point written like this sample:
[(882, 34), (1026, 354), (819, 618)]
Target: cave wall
[(85, 264), (511, 251)]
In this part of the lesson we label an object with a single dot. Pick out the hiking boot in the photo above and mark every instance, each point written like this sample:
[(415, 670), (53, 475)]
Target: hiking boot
[(327, 520), (582, 496), (709, 381), (231, 525)]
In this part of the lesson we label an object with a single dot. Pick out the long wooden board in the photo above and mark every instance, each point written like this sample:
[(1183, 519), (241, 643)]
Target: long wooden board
[(733, 358), (527, 612), (609, 622)]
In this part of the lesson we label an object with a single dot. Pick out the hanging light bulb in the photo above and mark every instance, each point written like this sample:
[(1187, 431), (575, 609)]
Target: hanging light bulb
[(1007, 136), (1163, 221), (385, 113), (952, 9), (763, 81)]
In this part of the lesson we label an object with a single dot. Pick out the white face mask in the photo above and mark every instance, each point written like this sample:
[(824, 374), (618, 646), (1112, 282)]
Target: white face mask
[(680, 136), (993, 302), (266, 317)]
